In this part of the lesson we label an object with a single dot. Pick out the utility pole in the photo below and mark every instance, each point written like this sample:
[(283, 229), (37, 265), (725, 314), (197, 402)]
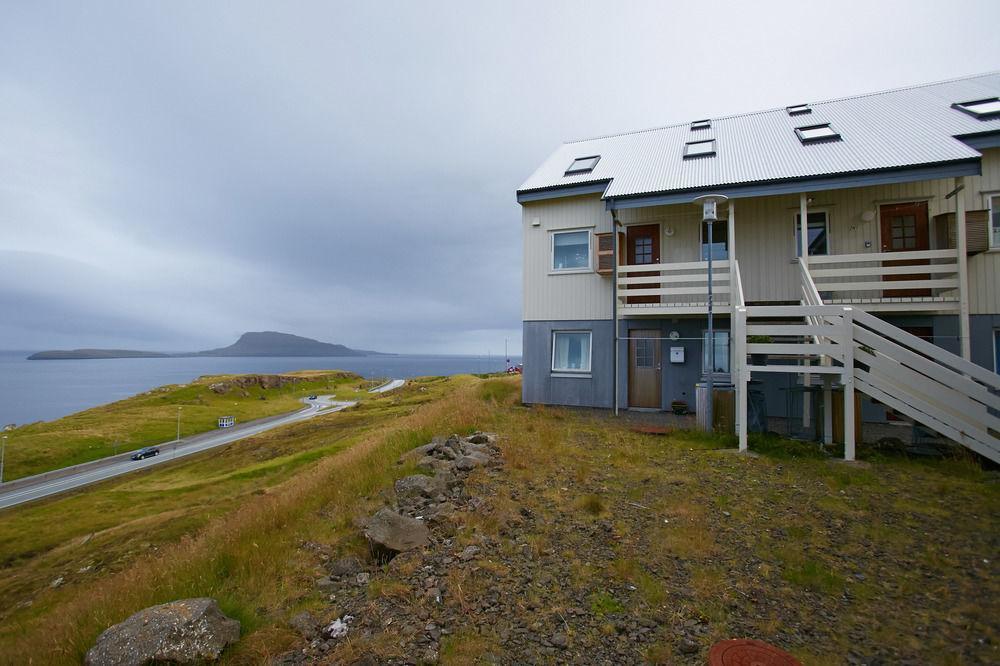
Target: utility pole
[(709, 206), (3, 452)]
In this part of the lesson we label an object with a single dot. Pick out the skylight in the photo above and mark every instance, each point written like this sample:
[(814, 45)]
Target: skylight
[(583, 165), (798, 109), (984, 109), (699, 149), (817, 133), (701, 125)]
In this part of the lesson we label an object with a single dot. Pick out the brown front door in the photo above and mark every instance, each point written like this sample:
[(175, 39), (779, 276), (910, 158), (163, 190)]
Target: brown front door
[(644, 368), (905, 229), (643, 244)]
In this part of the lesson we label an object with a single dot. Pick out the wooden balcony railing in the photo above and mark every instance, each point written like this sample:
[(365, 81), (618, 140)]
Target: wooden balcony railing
[(680, 288), (900, 281)]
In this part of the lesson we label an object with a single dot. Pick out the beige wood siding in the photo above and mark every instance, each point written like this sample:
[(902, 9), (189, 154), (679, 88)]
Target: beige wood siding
[(568, 296), (765, 241)]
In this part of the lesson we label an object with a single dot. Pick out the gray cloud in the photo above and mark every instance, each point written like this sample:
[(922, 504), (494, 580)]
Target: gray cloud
[(173, 174)]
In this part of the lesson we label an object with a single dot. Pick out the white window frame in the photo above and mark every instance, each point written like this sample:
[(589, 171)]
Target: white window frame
[(705, 352), (570, 372), (795, 231), (996, 359), (589, 268)]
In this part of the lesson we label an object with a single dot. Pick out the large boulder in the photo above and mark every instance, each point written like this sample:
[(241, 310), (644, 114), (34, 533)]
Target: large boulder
[(389, 533), (419, 485), (182, 632)]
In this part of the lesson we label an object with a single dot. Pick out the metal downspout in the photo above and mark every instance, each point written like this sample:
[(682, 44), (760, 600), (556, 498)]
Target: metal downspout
[(614, 296)]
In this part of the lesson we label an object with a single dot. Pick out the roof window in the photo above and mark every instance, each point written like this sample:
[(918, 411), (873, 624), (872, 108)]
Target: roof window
[(583, 165), (699, 149), (984, 109), (701, 125), (798, 109), (817, 133)]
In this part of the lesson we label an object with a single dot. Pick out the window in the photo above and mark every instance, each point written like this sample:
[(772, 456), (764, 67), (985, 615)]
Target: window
[(571, 351), (720, 240), (817, 133), (721, 352), (798, 109), (996, 350), (984, 109), (583, 165), (699, 149), (995, 222), (818, 233), (571, 251), (903, 230), (701, 125)]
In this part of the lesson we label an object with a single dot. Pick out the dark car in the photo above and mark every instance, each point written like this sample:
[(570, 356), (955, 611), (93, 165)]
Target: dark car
[(147, 452), (312, 397)]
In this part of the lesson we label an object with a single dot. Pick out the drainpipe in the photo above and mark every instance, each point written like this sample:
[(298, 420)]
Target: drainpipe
[(614, 296), (961, 244)]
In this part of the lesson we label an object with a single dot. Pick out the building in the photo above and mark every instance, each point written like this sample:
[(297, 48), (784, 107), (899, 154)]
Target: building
[(859, 249)]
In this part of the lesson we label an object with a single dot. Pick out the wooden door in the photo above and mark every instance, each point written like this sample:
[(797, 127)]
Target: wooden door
[(644, 369), (643, 247), (905, 229)]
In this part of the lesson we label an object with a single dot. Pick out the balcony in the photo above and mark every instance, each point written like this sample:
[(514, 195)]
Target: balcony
[(676, 288), (916, 281)]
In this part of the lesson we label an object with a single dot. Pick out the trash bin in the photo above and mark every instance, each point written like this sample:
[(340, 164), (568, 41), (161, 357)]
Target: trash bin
[(723, 407)]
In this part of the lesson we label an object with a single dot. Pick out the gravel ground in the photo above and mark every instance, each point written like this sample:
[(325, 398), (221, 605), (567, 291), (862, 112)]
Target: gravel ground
[(582, 542)]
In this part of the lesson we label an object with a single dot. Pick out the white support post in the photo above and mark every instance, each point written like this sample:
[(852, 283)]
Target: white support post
[(827, 410), (731, 238), (963, 269), (804, 258), (847, 378), (742, 376)]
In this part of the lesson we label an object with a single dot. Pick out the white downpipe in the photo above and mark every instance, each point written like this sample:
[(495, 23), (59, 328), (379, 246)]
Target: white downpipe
[(963, 270), (804, 260), (742, 376)]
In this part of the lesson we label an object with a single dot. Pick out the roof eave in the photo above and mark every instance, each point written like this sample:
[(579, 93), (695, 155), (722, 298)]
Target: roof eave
[(950, 169), (558, 191)]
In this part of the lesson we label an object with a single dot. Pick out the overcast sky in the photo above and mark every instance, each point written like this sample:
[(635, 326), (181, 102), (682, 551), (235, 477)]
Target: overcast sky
[(173, 174)]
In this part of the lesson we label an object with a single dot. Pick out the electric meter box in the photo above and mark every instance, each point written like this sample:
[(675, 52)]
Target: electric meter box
[(677, 354)]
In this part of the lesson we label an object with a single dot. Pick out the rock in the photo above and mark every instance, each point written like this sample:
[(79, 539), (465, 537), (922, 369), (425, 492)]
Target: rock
[(185, 631), (469, 553), (57, 582), (306, 624), (419, 485), (390, 533), (363, 578), (470, 462), (345, 566), (479, 438), (325, 584), (338, 628), (687, 646), (560, 641), (433, 465)]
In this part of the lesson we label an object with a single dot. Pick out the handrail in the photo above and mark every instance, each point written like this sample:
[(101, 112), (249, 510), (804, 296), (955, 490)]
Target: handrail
[(680, 266), (736, 285), (881, 256)]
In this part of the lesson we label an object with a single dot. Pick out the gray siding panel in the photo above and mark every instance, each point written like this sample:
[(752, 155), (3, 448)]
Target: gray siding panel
[(539, 386)]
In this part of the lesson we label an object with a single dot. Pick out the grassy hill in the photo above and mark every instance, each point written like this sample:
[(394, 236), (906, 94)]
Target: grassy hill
[(590, 529), (151, 417)]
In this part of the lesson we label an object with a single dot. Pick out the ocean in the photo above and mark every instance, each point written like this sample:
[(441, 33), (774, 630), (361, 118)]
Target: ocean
[(44, 390)]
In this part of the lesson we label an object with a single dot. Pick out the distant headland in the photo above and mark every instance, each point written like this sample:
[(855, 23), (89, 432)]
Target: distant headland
[(262, 343)]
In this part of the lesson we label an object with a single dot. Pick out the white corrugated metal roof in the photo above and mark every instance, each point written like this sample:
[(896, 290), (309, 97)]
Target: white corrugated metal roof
[(892, 129)]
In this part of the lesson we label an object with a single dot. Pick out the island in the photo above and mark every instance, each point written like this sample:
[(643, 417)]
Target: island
[(259, 343)]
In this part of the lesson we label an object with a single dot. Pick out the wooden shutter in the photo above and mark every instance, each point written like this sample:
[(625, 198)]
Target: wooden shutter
[(977, 227), (606, 251)]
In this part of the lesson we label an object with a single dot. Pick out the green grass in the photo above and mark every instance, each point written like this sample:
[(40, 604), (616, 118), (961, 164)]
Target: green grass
[(602, 603), (151, 418)]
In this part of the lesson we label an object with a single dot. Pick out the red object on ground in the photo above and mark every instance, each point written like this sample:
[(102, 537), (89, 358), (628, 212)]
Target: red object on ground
[(748, 652)]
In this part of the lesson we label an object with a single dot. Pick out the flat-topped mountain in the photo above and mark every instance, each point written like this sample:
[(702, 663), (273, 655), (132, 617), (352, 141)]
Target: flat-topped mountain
[(262, 343), (271, 343)]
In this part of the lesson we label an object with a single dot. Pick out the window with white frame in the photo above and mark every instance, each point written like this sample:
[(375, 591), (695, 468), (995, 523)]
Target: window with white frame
[(818, 231), (571, 251), (995, 221), (571, 351), (721, 352)]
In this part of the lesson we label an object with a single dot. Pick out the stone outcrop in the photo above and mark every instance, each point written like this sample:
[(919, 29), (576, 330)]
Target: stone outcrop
[(182, 632), (389, 534)]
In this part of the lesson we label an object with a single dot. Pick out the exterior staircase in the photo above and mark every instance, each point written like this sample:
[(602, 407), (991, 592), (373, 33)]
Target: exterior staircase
[(938, 389)]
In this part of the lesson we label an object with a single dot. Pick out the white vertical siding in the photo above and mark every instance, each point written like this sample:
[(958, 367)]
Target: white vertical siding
[(568, 296)]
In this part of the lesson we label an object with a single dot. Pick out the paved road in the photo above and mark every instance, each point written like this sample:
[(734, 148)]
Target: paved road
[(58, 481)]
